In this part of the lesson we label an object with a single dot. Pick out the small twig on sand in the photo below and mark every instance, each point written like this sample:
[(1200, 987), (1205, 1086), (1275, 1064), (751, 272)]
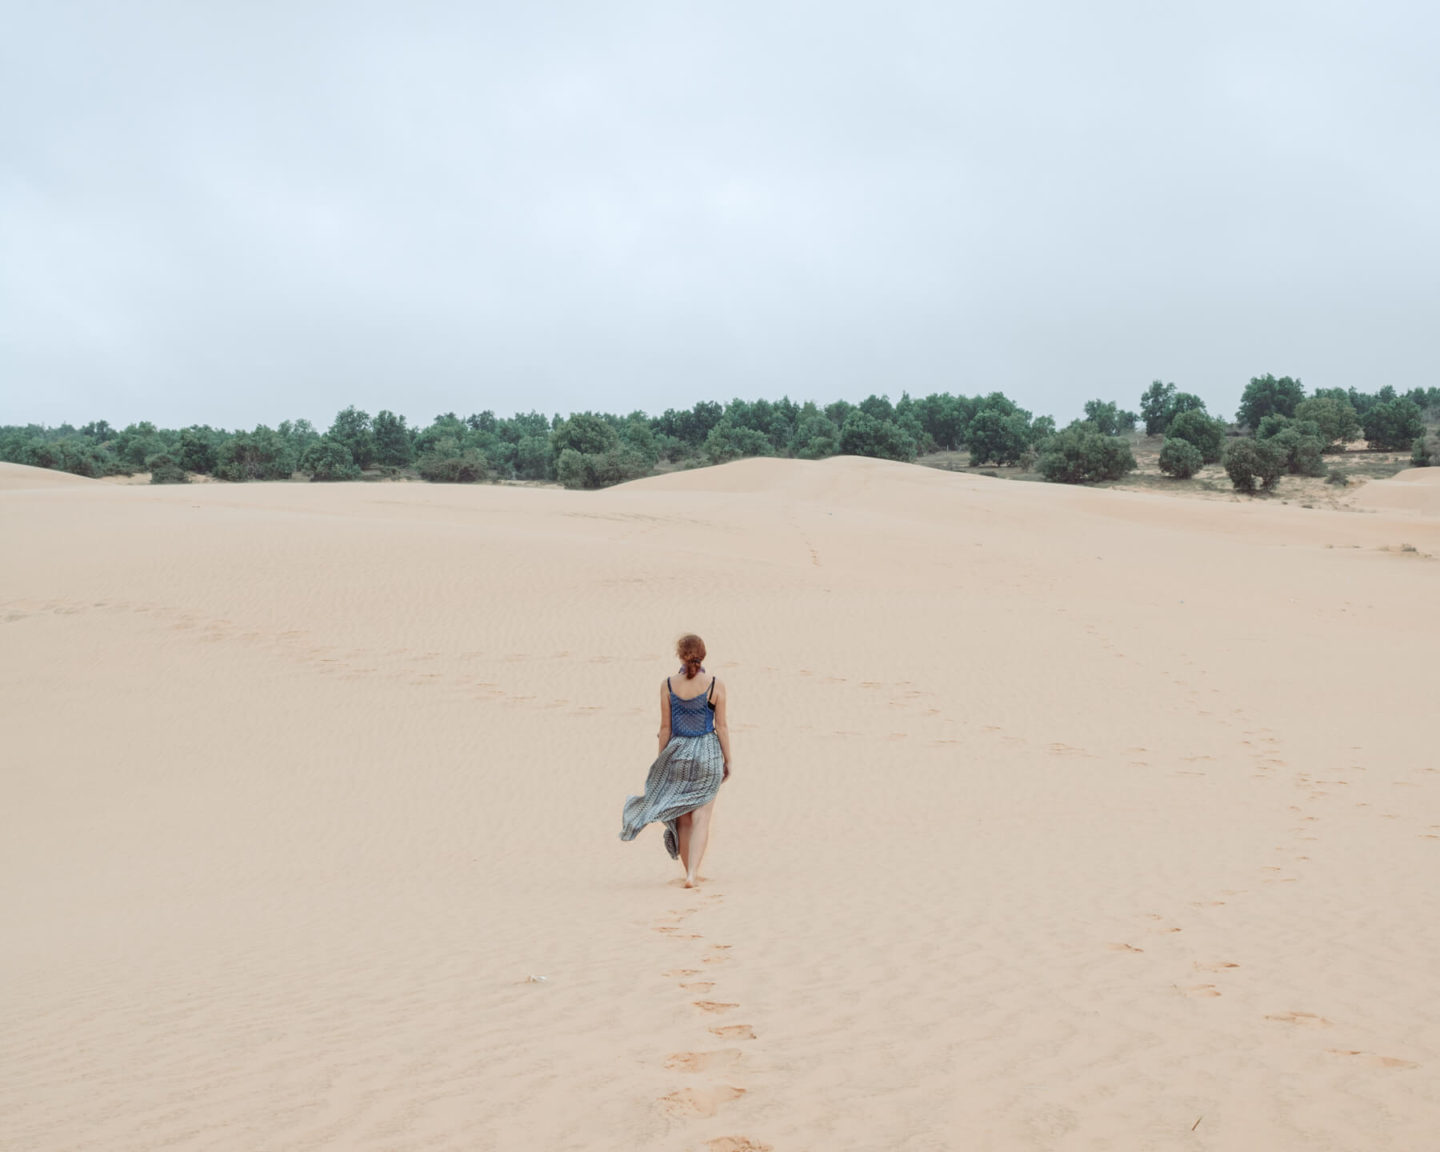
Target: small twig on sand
[(1197, 1123)]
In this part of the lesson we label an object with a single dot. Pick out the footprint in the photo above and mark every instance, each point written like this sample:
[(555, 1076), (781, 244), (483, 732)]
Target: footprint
[(698, 1101), (1200, 990), (714, 1006), (1309, 1019), (734, 1032), (683, 972), (737, 1144), (1215, 966), (1377, 1061), (1124, 948), (703, 1061), (698, 986)]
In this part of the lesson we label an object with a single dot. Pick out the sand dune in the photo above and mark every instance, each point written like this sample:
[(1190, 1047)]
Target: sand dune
[(1414, 490), (20, 476), (1061, 819)]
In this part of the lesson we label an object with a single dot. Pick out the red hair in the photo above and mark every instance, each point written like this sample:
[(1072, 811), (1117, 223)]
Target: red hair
[(691, 650)]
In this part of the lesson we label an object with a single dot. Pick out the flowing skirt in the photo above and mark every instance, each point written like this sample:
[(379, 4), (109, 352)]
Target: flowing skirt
[(684, 777)]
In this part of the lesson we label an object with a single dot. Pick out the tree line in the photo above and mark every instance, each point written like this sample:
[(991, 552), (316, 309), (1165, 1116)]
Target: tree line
[(1278, 429)]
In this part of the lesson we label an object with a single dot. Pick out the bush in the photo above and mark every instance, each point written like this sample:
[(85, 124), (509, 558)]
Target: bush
[(725, 442), (1252, 462), (598, 469), (1180, 458), (1200, 430), (1337, 420), (1265, 395), (450, 463), (866, 435), (1337, 477), (165, 469), (1109, 418), (1299, 450), (997, 435), (1389, 427), (1420, 454), (1081, 454), (259, 455), (329, 459)]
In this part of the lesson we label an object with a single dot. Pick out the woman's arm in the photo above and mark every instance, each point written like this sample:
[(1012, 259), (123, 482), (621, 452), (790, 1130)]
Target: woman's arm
[(722, 726), (664, 717)]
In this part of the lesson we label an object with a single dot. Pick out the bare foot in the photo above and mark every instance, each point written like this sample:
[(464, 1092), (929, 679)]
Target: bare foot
[(691, 882)]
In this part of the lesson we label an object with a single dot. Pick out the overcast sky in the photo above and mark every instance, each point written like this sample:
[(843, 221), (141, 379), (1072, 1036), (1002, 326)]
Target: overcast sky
[(238, 212)]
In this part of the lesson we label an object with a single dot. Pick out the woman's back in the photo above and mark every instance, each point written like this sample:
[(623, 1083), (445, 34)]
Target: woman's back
[(692, 715)]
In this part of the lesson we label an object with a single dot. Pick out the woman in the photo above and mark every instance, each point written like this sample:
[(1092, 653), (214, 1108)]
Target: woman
[(694, 761)]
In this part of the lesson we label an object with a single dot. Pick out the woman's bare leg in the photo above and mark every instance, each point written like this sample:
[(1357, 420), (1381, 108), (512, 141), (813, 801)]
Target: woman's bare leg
[(697, 841), (682, 836)]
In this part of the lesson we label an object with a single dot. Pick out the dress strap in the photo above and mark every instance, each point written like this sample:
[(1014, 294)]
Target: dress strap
[(710, 689), (667, 685)]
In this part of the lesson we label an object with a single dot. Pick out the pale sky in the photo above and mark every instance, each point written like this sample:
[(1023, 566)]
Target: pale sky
[(232, 213)]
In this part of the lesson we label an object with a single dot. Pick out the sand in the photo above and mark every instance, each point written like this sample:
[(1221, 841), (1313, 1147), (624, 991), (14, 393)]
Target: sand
[(1061, 819)]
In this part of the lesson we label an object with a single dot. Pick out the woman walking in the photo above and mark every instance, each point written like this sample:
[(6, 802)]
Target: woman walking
[(694, 761)]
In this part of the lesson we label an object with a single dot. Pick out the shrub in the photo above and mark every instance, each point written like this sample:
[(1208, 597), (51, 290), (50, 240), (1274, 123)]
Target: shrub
[(451, 463), (1337, 477), (1299, 450), (598, 469), (1252, 462), (259, 455), (1265, 395), (329, 459), (1338, 422), (866, 435), (1389, 427), (1081, 454), (1421, 455), (1200, 430), (1180, 458), (724, 442), (165, 469), (1109, 418), (999, 433)]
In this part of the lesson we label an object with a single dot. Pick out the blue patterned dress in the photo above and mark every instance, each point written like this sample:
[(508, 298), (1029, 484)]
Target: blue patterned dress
[(685, 776)]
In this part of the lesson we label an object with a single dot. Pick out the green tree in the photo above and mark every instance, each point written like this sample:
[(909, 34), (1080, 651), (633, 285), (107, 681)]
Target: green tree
[(392, 440), (1392, 426), (586, 433), (1180, 458), (815, 436), (137, 443), (597, 469), (199, 448), (999, 432), (730, 441), (1300, 446), (1200, 430), (1108, 417), (352, 428), (259, 455), (165, 469), (1082, 454), (329, 459), (1421, 455), (1249, 463), (1155, 407), (533, 459), (945, 419), (450, 461), (864, 434), (1336, 419), (1267, 394), (298, 434)]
